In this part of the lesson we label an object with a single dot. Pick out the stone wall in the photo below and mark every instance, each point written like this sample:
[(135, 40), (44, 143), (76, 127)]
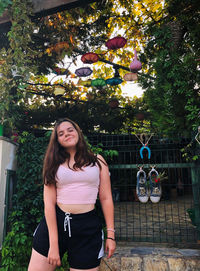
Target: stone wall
[(152, 259)]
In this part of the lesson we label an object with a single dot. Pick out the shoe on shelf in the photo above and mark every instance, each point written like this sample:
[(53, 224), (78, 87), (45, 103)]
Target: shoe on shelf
[(141, 187), (155, 186)]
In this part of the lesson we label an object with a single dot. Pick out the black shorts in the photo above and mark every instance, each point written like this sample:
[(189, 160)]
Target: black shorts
[(80, 235)]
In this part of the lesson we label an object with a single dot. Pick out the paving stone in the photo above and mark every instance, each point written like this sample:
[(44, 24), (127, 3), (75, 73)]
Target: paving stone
[(192, 265), (154, 264), (189, 252), (133, 264), (113, 264), (176, 264), (142, 250)]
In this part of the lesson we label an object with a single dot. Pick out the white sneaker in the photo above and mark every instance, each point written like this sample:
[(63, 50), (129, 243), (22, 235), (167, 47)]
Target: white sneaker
[(155, 187), (141, 187)]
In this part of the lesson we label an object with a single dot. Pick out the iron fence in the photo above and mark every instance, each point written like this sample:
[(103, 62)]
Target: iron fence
[(175, 218)]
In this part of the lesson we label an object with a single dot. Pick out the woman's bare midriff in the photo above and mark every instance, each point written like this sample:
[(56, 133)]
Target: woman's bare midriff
[(76, 208)]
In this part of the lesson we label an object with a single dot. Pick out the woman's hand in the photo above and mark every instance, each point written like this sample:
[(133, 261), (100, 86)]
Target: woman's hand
[(54, 257), (110, 247)]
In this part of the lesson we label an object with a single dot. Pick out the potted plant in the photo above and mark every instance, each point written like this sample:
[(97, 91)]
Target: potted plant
[(158, 178)]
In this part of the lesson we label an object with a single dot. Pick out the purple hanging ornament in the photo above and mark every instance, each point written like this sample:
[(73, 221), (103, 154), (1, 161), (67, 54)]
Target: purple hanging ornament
[(135, 64), (83, 72)]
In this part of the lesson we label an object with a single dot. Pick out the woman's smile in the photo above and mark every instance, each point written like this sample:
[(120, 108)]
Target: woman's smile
[(67, 134)]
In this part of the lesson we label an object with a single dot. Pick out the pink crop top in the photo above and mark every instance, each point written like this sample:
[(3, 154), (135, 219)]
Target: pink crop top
[(77, 187)]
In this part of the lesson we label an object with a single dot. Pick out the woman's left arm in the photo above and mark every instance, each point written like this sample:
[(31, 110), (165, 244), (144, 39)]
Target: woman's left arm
[(105, 196)]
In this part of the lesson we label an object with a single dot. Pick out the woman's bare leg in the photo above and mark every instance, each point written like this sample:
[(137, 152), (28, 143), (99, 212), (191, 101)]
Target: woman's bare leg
[(39, 262)]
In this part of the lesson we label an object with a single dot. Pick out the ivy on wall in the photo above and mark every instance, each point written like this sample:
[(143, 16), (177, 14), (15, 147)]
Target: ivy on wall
[(16, 61), (3, 5)]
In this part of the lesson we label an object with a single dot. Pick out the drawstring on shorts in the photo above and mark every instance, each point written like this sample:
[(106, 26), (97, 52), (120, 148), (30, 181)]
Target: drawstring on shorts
[(67, 223)]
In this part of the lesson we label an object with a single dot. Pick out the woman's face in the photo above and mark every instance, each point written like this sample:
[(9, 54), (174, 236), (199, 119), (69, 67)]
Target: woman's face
[(67, 135)]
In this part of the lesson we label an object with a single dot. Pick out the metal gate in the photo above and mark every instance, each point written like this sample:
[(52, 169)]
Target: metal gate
[(175, 218)]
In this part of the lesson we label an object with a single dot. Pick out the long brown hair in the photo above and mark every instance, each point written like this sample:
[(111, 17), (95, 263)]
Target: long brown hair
[(56, 154)]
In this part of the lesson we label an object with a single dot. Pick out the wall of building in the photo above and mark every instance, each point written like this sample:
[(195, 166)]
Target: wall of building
[(7, 162)]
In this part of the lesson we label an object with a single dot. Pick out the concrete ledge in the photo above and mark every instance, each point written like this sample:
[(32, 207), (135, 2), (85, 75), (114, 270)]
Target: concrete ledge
[(138, 258)]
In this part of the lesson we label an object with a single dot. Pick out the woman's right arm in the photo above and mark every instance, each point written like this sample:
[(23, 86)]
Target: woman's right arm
[(50, 215)]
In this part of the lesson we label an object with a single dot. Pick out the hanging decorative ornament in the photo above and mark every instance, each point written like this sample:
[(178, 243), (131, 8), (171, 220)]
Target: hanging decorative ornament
[(86, 83), (136, 64), (113, 103), (102, 91), (83, 72), (61, 71), (114, 81), (89, 58), (144, 140), (140, 116), (130, 76), (58, 47), (116, 43), (90, 96), (98, 83), (59, 91)]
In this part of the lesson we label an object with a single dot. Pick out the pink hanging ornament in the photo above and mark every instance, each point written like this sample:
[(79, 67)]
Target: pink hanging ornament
[(135, 64), (130, 76), (116, 43)]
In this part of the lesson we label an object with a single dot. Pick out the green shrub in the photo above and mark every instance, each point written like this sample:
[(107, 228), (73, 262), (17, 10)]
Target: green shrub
[(16, 249), (27, 203)]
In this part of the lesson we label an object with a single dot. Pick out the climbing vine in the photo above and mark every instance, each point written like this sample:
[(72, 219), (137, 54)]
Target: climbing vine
[(3, 5)]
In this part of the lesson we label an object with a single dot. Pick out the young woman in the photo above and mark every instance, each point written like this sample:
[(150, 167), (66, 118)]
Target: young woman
[(73, 177)]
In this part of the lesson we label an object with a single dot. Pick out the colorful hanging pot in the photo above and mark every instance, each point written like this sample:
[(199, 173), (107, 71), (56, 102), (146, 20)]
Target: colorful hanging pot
[(140, 116), (102, 91), (83, 72), (130, 76), (90, 96), (136, 64), (114, 81), (59, 91), (113, 103), (86, 83), (89, 58), (58, 47), (98, 83), (63, 45), (60, 71), (116, 43)]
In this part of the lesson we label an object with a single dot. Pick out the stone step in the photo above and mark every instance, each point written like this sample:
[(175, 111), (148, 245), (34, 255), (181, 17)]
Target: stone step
[(149, 258)]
